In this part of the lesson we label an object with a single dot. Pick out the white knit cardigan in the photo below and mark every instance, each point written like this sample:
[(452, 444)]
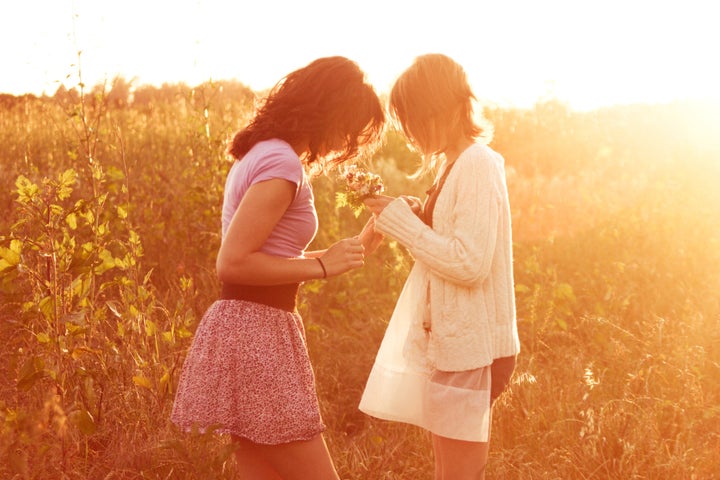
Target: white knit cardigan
[(466, 258)]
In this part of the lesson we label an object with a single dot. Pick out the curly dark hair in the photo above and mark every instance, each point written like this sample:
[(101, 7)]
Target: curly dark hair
[(327, 103)]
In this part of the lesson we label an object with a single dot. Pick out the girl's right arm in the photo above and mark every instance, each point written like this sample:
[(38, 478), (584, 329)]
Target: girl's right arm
[(464, 254)]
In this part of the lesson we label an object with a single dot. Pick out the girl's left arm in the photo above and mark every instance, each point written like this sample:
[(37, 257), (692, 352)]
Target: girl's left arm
[(464, 255)]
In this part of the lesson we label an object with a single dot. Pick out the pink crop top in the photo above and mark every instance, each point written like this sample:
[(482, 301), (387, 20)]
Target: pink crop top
[(267, 160)]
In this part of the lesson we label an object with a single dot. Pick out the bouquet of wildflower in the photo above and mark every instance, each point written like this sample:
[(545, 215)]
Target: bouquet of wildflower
[(359, 184)]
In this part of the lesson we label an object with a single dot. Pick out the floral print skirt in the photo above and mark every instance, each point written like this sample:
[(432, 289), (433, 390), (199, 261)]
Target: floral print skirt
[(248, 374)]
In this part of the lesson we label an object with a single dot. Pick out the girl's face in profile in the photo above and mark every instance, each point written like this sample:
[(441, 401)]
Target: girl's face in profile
[(427, 139), (335, 143)]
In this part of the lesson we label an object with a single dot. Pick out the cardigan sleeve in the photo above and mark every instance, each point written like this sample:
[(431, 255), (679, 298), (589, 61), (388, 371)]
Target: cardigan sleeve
[(463, 252)]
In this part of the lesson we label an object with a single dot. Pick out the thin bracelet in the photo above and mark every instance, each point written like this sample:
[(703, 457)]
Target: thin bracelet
[(322, 266)]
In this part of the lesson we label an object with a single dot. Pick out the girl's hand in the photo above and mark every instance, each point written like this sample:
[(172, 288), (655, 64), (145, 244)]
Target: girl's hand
[(343, 256), (414, 202), (377, 203), (369, 238)]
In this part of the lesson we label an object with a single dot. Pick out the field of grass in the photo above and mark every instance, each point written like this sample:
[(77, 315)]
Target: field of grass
[(111, 208)]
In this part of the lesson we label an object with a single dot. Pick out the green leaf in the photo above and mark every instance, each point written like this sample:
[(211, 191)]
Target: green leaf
[(65, 182), (114, 174), (134, 238), (108, 262), (89, 216), (16, 245), (121, 263), (150, 327), (74, 330), (42, 337), (564, 291), (358, 210), (11, 256), (142, 381), (81, 286), (164, 380), (183, 332), (341, 199), (47, 307), (26, 190), (68, 177), (71, 220), (83, 420), (32, 370)]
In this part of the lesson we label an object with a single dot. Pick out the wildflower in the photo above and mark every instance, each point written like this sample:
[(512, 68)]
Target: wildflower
[(359, 184)]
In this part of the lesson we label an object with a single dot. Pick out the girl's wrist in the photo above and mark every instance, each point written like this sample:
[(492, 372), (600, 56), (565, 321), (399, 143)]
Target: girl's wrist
[(322, 265)]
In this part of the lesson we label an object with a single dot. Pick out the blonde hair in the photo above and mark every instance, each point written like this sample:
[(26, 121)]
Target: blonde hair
[(433, 104)]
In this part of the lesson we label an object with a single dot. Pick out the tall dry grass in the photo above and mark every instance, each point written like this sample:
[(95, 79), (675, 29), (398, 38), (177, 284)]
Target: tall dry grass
[(106, 265)]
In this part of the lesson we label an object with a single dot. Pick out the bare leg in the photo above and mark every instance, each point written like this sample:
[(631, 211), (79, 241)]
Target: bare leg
[(287, 461), (459, 459), (250, 464)]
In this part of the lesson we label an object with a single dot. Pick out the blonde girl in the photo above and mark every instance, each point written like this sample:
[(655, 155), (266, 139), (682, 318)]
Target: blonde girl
[(451, 343)]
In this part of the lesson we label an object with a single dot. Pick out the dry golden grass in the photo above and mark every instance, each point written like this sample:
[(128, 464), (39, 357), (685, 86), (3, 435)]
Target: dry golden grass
[(105, 270)]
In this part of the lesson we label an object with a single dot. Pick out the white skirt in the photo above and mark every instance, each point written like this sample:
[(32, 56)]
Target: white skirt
[(403, 387)]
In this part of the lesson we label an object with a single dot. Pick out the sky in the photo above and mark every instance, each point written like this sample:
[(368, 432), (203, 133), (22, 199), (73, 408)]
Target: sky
[(588, 54)]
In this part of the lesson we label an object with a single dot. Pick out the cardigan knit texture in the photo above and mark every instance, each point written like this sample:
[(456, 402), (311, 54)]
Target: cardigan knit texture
[(466, 259)]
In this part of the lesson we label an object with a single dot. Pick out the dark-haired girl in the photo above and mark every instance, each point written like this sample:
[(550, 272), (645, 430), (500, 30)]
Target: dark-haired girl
[(247, 372)]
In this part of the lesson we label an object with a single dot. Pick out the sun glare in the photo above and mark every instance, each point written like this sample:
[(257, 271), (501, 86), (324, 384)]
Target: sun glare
[(516, 54), (703, 126)]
